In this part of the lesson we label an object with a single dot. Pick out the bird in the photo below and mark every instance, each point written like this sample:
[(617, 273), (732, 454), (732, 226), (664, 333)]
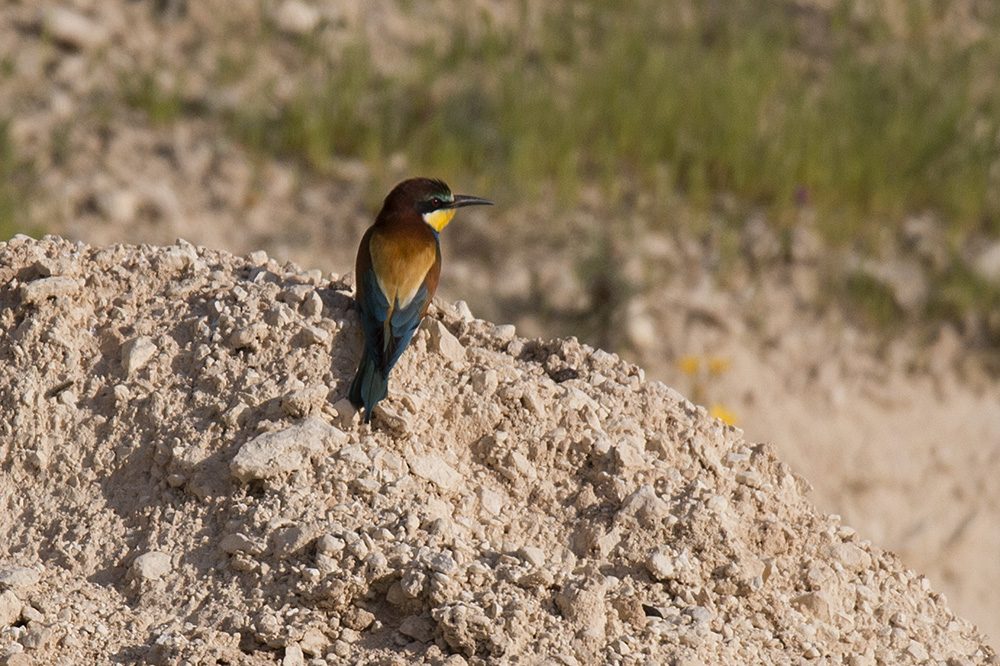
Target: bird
[(396, 273)]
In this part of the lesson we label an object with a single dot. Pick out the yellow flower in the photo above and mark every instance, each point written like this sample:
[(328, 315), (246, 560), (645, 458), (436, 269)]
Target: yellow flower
[(689, 365), (718, 365), (719, 411)]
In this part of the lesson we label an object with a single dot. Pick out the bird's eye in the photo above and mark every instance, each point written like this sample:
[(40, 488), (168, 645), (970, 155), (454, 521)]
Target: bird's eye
[(436, 202)]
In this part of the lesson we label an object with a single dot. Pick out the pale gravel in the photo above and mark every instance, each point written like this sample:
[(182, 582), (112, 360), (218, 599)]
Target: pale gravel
[(573, 514)]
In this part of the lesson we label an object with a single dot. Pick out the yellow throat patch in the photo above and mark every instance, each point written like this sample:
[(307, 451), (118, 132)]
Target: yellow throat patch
[(439, 219)]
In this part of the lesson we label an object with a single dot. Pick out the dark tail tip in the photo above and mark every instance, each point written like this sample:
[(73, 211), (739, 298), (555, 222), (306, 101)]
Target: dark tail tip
[(369, 387)]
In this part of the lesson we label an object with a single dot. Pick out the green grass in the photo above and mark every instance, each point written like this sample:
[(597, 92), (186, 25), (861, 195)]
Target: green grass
[(868, 130), (16, 180), (870, 301), (771, 105), (336, 116), (959, 295), (144, 92)]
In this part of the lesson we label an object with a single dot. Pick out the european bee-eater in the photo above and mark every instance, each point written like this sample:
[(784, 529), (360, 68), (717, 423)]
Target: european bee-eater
[(397, 271)]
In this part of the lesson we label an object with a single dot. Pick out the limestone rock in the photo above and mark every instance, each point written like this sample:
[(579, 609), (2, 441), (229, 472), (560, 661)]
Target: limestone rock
[(153, 565), (276, 453)]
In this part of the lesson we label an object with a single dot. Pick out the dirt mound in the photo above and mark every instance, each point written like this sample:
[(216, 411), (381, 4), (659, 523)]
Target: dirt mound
[(182, 480)]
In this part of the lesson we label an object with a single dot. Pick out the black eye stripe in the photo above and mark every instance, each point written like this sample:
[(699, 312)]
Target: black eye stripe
[(430, 205)]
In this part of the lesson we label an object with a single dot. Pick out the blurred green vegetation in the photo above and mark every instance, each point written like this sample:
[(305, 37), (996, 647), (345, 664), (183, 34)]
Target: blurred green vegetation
[(959, 292), (16, 179), (870, 300), (771, 105), (750, 98), (162, 105)]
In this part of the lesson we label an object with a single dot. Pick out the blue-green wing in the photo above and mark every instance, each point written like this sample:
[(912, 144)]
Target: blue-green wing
[(386, 340)]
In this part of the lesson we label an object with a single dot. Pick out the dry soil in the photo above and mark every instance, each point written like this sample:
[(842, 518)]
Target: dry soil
[(182, 482)]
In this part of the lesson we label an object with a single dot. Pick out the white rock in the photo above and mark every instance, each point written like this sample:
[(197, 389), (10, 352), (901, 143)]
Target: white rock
[(257, 257), (236, 543), (463, 311), (699, 614), (417, 628), (347, 413), (288, 450), (136, 353), (391, 419), (303, 401), (532, 555), (153, 565), (806, 245), (503, 332), (759, 241), (917, 651), (485, 382), (660, 565), (646, 506), (312, 306), (491, 500), (31, 614), (291, 539), (73, 29), (749, 478), (517, 466), (441, 340), (852, 557), (314, 334), (816, 604), (434, 470), (18, 577), (293, 656), (442, 563), (329, 544), (51, 287), (244, 337), (906, 279), (236, 415), (583, 602), (10, 608), (313, 641), (354, 454), (36, 637), (628, 456), (162, 198), (364, 486), (176, 259)]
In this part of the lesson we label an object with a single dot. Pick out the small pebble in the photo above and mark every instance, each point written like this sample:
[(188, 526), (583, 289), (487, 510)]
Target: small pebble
[(152, 565), (136, 353)]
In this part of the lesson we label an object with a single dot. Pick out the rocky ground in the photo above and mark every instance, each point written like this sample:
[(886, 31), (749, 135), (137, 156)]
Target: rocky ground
[(897, 433), (183, 482)]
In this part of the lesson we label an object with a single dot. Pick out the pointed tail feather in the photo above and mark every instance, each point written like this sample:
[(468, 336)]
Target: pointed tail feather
[(369, 387)]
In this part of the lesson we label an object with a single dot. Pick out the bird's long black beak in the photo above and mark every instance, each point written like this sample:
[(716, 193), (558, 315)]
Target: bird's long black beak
[(464, 200)]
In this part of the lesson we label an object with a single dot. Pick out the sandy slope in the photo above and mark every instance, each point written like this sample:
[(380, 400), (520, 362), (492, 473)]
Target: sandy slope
[(182, 480), (902, 445)]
